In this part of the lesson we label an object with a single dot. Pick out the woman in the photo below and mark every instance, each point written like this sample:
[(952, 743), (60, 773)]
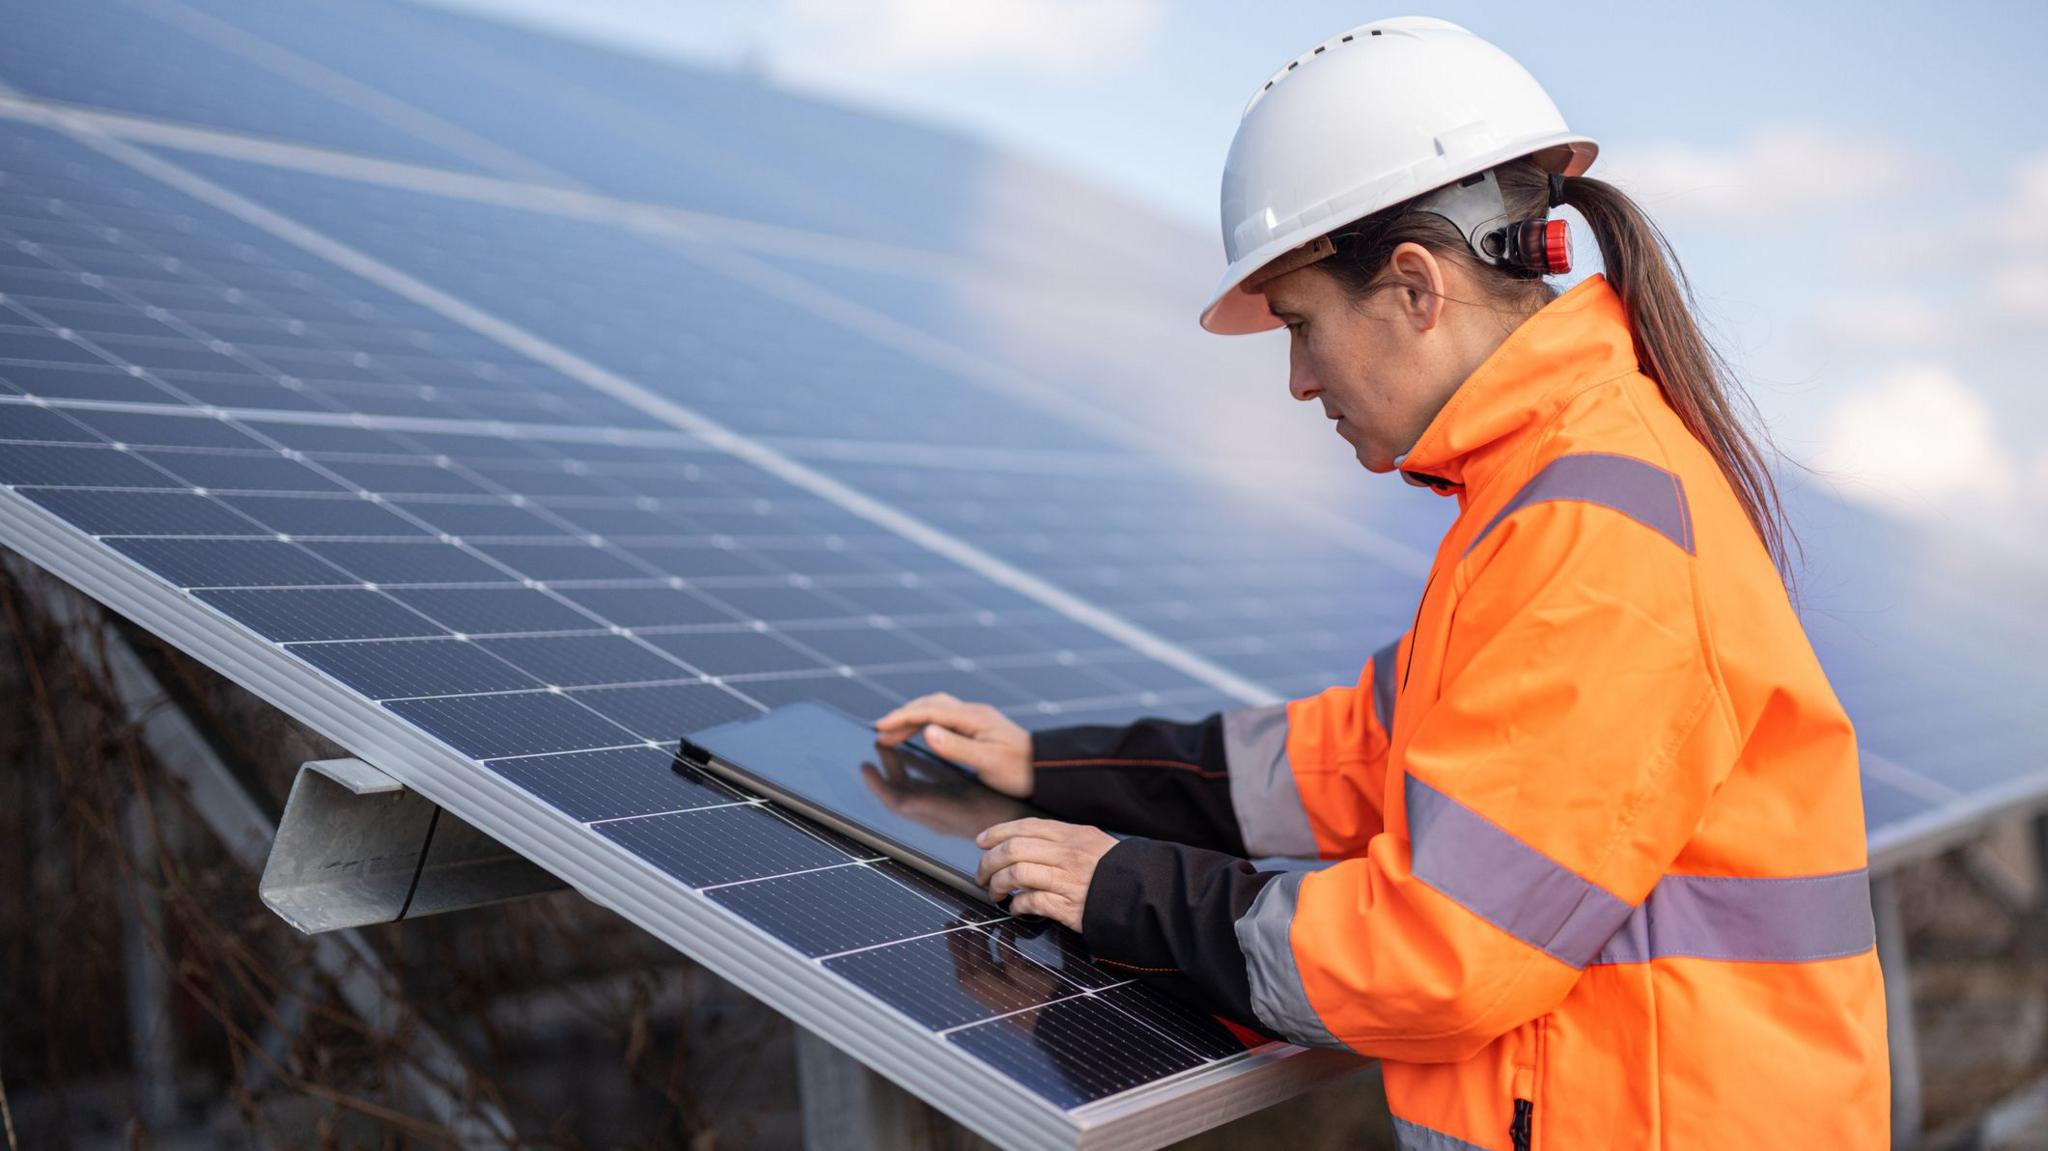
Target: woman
[(1596, 838)]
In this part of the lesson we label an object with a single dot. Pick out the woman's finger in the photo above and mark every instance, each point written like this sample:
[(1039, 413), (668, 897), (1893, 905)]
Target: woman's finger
[(1050, 829), (1012, 852), (962, 748), (1023, 849), (1029, 876), (939, 707), (905, 713), (993, 861)]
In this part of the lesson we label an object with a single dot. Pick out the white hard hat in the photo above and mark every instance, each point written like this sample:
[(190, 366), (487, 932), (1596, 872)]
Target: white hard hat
[(1365, 120)]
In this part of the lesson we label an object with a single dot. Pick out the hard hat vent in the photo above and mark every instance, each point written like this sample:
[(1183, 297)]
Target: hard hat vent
[(1296, 63), (1405, 25)]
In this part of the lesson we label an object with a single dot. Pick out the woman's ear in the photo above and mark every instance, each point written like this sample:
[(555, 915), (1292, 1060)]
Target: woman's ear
[(1421, 277)]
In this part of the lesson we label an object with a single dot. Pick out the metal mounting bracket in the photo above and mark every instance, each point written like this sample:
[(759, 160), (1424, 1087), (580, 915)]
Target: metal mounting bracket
[(355, 847)]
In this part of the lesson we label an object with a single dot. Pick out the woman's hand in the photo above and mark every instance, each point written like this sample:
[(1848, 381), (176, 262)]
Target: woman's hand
[(974, 735), (1047, 863)]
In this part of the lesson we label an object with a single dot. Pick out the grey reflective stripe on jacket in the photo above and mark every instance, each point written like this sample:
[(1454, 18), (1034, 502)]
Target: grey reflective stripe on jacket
[(1532, 897), (1263, 793), (1787, 920), (1518, 889), (1640, 490), (1265, 935), (1262, 789)]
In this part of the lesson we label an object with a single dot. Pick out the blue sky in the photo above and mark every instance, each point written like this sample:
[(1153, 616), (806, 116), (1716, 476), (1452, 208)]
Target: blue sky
[(1859, 191)]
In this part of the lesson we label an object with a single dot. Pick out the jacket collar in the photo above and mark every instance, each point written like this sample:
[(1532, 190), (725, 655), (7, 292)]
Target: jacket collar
[(1578, 339)]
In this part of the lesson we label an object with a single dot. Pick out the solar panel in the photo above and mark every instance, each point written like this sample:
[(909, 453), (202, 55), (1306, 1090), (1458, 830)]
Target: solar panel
[(546, 480), (544, 607)]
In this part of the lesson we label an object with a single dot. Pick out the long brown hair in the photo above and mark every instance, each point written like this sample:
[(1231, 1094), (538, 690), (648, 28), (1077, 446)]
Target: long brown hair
[(1638, 262)]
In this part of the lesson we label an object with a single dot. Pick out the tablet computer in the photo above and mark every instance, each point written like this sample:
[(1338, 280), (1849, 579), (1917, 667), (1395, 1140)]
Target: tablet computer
[(904, 801)]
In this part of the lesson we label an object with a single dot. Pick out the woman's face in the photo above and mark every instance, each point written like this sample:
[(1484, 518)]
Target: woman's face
[(1381, 367)]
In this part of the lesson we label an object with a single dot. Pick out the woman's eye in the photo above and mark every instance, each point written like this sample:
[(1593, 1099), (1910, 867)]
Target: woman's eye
[(1297, 327)]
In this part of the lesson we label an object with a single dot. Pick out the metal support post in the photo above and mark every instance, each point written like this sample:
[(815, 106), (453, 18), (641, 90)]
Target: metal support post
[(847, 1107), (152, 1028), (2039, 826), (1907, 1116)]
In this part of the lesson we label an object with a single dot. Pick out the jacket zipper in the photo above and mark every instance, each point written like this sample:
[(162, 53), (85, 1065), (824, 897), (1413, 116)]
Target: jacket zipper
[(1522, 1128)]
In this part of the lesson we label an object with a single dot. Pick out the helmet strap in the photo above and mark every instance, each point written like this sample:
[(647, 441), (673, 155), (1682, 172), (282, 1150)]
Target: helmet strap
[(1476, 207)]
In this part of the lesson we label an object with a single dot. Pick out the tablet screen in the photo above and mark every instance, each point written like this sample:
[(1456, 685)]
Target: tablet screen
[(904, 801)]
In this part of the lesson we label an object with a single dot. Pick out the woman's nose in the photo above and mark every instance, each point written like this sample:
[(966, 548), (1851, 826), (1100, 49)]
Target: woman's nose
[(1301, 382)]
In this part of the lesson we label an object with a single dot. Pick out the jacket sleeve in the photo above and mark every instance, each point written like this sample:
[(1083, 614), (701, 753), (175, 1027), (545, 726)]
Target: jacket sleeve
[(1229, 782), (1154, 777), (1576, 736)]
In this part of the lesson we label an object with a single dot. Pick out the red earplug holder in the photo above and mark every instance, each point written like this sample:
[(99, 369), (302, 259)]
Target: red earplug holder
[(1537, 247)]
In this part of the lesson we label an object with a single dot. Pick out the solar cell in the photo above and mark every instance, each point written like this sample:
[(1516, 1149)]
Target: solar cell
[(837, 909), (1074, 1051), (720, 845), (952, 979), (590, 786)]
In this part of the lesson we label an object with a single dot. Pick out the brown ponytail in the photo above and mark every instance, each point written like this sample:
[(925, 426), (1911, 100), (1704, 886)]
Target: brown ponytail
[(1638, 261), (1639, 264)]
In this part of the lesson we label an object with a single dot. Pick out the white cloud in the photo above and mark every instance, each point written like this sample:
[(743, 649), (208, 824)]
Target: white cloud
[(1778, 172), (2025, 217), (2021, 291), (1918, 440), (1058, 36), (1888, 320)]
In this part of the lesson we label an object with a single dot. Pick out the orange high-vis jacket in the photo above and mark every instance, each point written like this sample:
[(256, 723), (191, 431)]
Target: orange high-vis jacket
[(1600, 853)]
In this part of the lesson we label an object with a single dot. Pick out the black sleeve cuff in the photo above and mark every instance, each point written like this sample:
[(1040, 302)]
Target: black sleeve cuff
[(1167, 913), (1154, 777)]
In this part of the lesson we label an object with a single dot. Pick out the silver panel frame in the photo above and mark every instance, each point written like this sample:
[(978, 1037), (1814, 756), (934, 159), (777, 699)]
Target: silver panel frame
[(974, 1093)]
